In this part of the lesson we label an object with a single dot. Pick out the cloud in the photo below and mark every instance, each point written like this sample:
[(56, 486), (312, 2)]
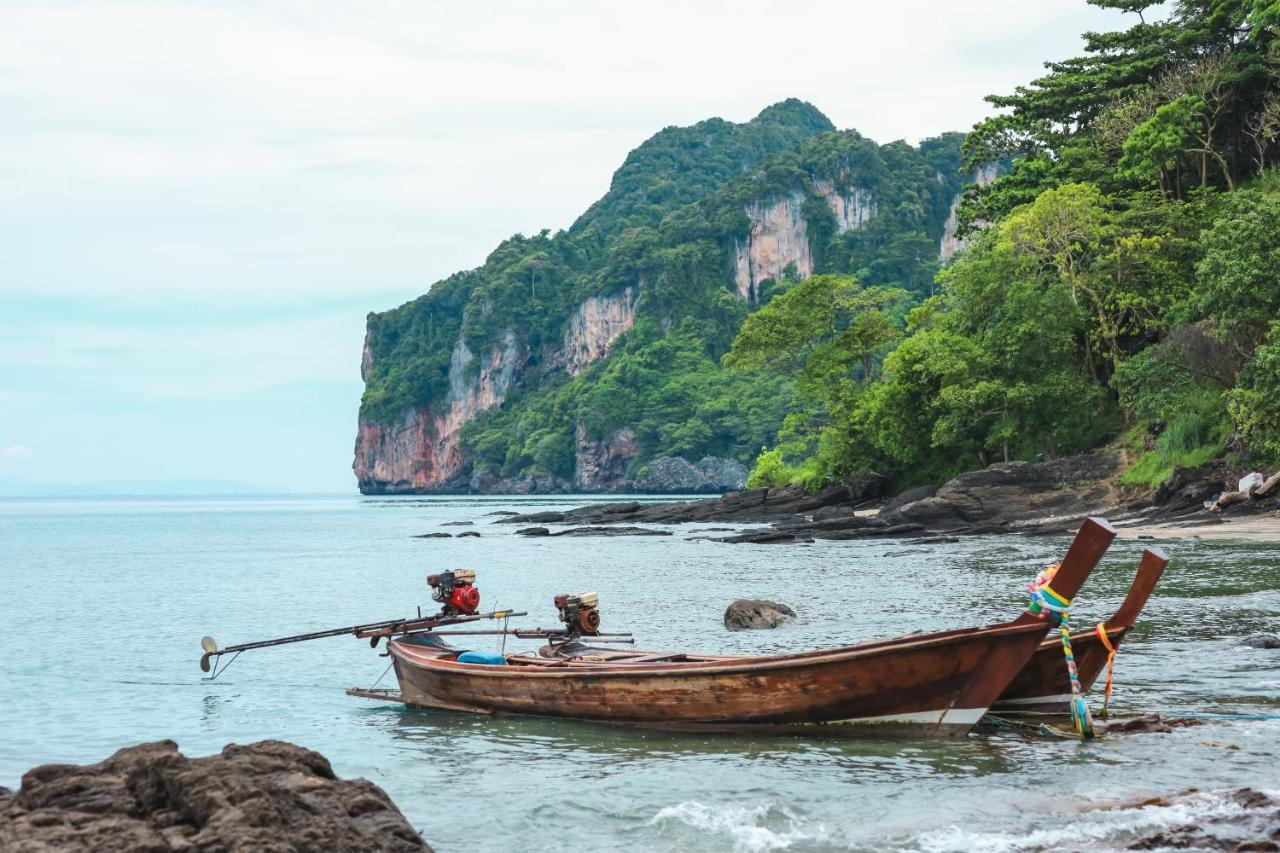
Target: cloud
[(213, 153), (16, 451)]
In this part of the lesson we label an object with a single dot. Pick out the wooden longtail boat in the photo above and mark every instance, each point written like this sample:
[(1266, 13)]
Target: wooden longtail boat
[(1043, 685), (923, 684)]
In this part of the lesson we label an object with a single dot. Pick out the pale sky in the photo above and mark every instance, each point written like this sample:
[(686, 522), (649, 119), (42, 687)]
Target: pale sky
[(199, 202)]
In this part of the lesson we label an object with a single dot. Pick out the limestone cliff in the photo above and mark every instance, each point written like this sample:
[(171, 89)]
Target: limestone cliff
[(852, 208), (778, 239), (594, 326), (420, 452), (779, 236), (951, 243)]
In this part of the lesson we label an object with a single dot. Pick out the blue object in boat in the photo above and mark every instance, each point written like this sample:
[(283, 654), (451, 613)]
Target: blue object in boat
[(487, 658)]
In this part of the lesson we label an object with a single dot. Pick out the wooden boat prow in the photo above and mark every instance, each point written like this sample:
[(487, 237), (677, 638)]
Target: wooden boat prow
[(926, 684), (1043, 686)]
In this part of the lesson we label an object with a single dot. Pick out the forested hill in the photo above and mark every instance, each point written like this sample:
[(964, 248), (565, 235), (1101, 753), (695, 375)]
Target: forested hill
[(1124, 290), (573, 360)]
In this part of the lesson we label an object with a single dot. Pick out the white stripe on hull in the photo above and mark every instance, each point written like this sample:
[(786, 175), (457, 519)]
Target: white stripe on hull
[(944, 717)]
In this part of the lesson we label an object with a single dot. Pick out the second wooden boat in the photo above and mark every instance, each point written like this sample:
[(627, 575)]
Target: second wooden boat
[(924, 684), (1044, 687)]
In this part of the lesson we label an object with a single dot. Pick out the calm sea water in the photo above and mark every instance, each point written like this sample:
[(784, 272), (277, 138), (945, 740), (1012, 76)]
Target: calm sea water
[(103, 603)]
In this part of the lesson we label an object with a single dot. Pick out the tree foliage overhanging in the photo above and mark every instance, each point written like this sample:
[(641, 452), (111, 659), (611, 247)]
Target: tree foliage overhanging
[(1123, 276)]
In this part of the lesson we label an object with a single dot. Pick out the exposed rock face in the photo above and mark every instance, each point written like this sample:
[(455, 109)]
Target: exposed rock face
[(600, 466), (755, 613), (421, 452), (594, 326), (951, 244), (672, 474), (724, 475), (1062, 491), (490, 483), (265, 796), (778, 239), (852, 209)]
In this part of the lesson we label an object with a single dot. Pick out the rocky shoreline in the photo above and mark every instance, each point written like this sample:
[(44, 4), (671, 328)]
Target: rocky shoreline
[(269, 795), (1007, 497)]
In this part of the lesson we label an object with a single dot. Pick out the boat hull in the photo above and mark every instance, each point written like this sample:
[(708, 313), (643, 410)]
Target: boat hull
[(937, 685), (1043, 686)]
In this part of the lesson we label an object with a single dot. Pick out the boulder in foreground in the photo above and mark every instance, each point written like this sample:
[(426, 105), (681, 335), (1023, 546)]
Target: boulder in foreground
[(265, 796), (756, 613)]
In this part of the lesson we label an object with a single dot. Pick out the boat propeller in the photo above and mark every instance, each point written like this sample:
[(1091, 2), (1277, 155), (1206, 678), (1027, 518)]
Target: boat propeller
[(210, 646)]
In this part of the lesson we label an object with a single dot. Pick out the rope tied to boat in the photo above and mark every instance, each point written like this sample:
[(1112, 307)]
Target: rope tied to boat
[(1050, 605), (1101, 630)]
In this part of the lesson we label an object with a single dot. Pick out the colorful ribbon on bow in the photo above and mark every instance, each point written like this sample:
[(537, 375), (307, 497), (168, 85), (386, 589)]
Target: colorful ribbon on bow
[(1048, 604), (1101, 630)]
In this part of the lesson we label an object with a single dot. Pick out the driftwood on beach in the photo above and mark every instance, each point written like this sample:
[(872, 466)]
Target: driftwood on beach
[(1257, 492)]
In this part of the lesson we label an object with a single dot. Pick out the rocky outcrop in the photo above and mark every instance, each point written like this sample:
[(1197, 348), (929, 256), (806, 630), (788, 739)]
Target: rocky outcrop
[(852, 208), (421, 452), (951, 243), (751, 506), (598, 530), (491, 483), (778, 238), (594, 326), (601, 466), (756, 613), (674, 475), (1007, 494), (265, 796)]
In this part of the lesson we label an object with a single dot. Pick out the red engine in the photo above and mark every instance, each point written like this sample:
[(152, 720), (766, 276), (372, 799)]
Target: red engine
[(580, 613), (455, 591)]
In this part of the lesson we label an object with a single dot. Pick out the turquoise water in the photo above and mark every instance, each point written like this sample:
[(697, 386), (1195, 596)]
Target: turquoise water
[(103, 602)]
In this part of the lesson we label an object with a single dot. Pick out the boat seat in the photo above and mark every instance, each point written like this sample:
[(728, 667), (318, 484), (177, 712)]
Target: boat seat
[(486, 658)]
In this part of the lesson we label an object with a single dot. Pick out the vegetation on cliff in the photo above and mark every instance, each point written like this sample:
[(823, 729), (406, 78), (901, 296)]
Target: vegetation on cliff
[(670, 231), (1123, 277)]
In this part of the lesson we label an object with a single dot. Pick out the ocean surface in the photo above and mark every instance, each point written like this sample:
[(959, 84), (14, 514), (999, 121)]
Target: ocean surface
[(103, 603)]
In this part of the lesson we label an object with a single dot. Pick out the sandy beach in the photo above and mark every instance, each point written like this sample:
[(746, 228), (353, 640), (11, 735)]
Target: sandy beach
[(1252, 528)]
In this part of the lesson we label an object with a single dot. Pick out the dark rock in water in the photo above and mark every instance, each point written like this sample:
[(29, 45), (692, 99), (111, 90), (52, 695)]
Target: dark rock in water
[(1263, 641), (766, 537), (265, 796), (1240, 819), (457, 524), (752, 506), (1004, 494), (464, 534), (502, 512), (936, 540), (756, 613), (533, 531), (439, 535), (1149, 723), (910, 552), (621, 530), (533, 518)]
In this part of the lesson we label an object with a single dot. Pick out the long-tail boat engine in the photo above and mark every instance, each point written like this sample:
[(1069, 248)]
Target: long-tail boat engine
[(456, 592), (580, 613)]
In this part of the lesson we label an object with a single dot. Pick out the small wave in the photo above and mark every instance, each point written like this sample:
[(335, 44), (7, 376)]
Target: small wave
[(1217, 816), (750, 829)]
